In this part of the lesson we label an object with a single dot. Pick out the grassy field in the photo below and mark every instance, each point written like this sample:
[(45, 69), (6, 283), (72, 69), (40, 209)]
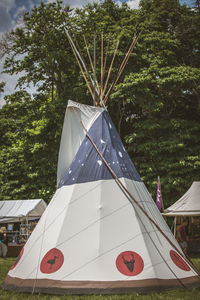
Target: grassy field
[(193, 294)]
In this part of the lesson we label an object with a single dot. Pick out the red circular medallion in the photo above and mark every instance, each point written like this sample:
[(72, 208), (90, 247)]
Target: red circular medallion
[(17, 259), (52, 261), (129, 263), (179, 262)]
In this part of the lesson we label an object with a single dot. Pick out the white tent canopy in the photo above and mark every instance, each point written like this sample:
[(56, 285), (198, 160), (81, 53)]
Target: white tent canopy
[(188, 204), (15, 210)]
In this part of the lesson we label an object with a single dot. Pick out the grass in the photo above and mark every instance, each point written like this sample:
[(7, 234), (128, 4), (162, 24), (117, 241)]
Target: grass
[(190, 294)]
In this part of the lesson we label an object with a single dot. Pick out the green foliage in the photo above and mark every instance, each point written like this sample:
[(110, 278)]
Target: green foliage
[(30, 134)]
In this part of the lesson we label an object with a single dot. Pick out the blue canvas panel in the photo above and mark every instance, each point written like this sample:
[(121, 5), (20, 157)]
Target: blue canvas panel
[(88, 166)]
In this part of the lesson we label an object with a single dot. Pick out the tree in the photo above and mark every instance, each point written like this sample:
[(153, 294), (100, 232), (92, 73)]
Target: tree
[(41, 51), (30, 133), (163, 90)]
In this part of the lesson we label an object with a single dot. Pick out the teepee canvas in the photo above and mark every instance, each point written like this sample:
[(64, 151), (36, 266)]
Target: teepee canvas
[(101, 232)]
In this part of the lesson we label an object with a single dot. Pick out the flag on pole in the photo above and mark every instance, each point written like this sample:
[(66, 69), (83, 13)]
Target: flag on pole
[(159, 201)]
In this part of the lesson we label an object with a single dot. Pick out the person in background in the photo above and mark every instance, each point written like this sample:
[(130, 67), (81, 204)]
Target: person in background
[(182, 235), (3, 242)]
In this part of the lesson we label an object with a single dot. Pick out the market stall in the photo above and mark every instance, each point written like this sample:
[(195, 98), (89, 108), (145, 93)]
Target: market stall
[(19, 217)]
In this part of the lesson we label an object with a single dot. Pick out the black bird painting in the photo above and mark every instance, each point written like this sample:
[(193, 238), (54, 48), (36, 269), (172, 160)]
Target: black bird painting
[(52, 261)]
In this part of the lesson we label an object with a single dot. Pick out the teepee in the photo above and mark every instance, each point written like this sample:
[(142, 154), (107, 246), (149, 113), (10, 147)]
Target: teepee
[(101, 232), (92, 237)]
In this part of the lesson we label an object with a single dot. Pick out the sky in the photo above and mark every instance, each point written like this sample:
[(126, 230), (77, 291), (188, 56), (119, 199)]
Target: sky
[(11, 11)]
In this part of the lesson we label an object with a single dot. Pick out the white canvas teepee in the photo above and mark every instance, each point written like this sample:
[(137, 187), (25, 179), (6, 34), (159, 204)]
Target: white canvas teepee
[(93, 238)]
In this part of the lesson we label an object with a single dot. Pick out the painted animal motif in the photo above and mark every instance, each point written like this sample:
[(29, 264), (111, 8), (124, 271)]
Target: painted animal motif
[(52, 261), (129, 263)]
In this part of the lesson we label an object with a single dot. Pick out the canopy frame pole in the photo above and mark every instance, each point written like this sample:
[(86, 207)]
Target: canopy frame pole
[(175, 222), (27, 225)]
